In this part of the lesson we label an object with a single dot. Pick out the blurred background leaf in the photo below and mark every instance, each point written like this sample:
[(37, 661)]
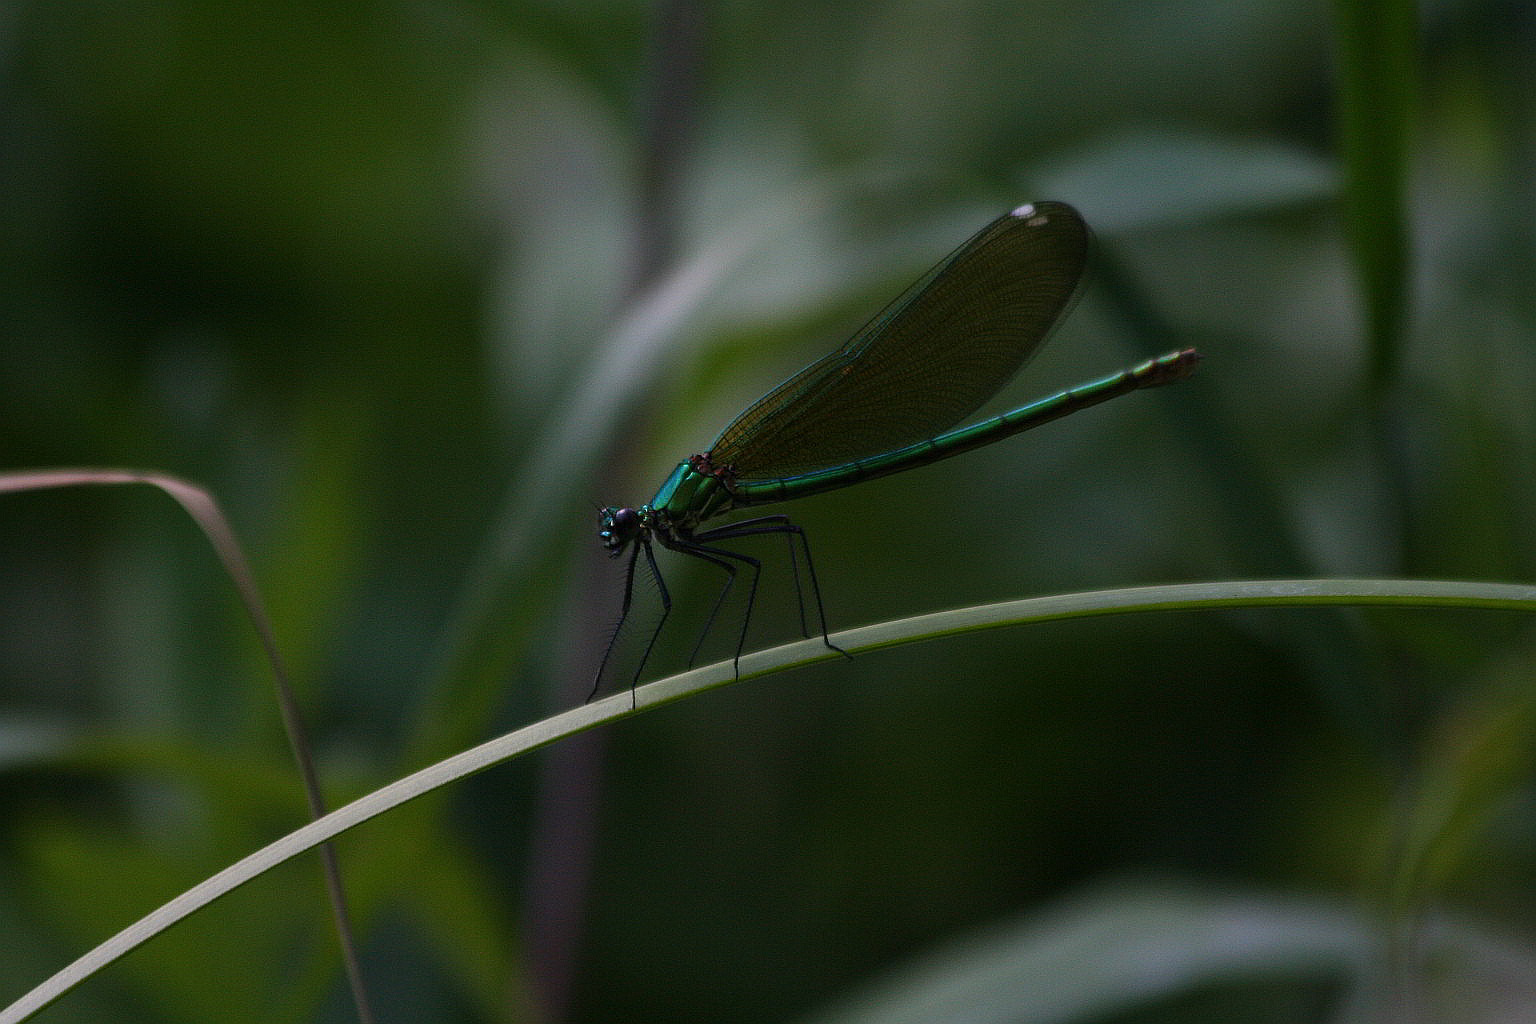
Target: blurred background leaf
[(412, 286)]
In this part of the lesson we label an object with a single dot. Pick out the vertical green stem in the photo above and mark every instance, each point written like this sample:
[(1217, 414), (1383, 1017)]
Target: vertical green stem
[(1378, 59)]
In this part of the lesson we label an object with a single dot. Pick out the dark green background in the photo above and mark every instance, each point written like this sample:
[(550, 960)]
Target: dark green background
[(411, 287)]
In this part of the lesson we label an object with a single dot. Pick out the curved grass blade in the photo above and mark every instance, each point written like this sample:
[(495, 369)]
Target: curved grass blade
[(1176, 597)]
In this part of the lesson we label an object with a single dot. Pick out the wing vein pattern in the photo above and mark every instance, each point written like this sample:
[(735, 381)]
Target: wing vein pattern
[(927, 361)]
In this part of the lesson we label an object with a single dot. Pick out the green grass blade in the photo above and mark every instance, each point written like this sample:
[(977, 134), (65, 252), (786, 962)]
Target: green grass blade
[(200, 505), (1377, 44), (1175, 597)]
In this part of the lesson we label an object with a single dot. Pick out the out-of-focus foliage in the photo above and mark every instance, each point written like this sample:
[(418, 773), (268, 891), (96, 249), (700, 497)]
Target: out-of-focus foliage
[(413, 286)]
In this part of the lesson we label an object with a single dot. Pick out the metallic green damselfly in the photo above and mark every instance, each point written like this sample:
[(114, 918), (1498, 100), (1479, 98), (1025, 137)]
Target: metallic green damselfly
[(882, 403)]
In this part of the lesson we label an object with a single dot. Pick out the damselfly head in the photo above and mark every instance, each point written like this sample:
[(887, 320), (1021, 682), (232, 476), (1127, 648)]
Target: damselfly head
[(616, 527)]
